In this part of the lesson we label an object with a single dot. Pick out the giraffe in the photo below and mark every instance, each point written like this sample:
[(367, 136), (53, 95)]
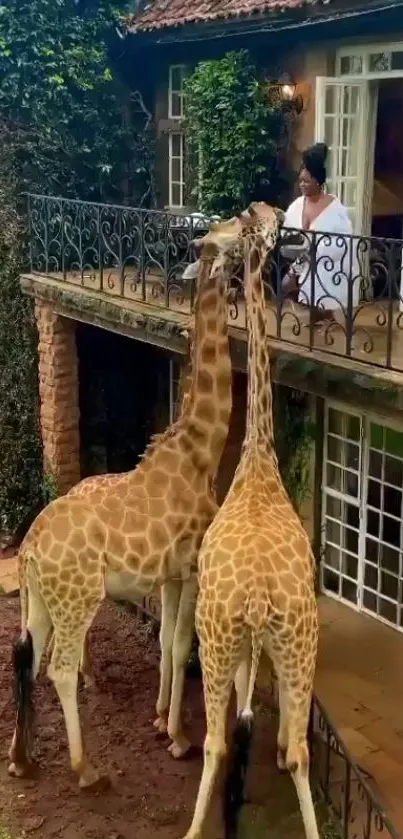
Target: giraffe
[(256, 581), (123, 535), (107, 482)]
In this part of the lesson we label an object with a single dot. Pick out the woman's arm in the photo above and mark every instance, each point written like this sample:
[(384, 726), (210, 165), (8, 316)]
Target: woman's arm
[(294, 243)]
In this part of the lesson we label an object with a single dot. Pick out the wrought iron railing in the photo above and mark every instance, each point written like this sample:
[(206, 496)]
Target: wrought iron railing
[(334, 293), (342, 783)]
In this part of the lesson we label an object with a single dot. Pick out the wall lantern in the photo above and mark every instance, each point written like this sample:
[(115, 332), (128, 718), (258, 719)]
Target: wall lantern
[(288, 93)]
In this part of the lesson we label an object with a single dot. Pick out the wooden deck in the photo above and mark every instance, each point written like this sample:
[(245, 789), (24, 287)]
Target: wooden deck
[(369, 341)]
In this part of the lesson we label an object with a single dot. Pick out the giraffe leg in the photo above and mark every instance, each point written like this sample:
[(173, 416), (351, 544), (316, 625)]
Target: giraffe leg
[(242, 680), (170, 597), (85, 665), (297, 761), (39, 625), (182, 645), (50, 645), (85, 661), (217, 691), (63, 671), (295, 694), (282, 737)]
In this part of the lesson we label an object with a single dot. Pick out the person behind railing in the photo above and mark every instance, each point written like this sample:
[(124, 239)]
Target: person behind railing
[(325, 265)]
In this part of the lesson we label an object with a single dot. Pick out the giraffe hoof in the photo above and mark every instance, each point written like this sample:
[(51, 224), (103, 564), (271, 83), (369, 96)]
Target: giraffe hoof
[(93, 781), (181, 749), (161, 725), (87, 681), (20, 770)]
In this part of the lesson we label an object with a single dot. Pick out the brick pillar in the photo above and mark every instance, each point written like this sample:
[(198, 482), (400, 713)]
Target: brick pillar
[(58, 388)]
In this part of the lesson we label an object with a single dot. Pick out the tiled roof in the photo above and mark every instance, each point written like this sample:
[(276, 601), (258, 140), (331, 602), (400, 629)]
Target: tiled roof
[(159, 14)]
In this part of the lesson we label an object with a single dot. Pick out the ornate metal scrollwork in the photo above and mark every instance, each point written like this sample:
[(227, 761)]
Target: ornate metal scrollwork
[(325, 291)]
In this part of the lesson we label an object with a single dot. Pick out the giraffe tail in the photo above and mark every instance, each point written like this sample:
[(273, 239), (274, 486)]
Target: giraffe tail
[(22, 581), (238, 759), (22, 663)]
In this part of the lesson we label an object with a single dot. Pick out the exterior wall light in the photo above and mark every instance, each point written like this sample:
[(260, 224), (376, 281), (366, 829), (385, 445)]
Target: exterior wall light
[(288, 94)]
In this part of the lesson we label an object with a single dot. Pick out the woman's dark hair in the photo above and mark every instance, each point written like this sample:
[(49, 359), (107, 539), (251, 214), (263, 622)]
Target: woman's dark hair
[(314, 160)]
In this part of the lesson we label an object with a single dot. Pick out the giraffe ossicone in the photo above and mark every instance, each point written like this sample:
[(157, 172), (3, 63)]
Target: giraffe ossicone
[(256, 579)]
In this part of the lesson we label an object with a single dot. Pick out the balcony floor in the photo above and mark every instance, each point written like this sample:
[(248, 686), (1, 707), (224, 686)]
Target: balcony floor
[(359, 680), (368, 344)]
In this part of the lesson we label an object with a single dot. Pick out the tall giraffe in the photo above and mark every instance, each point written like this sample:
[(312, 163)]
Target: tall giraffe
[(124, 535), (256, 580)]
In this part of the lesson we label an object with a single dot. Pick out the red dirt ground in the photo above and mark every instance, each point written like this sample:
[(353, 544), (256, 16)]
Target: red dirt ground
[(152, 795)]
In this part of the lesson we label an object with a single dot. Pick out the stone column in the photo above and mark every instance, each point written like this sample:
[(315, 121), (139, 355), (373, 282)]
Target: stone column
[(58, 388)]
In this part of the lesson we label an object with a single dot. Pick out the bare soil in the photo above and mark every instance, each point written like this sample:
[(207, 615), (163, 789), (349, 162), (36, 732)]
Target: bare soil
[(151, 796)]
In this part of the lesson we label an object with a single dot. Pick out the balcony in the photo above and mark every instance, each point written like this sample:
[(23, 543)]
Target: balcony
[(138, 257)]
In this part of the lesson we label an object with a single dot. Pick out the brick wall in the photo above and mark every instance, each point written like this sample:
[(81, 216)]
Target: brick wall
[(58, 387)]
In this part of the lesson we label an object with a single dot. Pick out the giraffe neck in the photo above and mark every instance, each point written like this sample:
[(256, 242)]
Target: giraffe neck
[(207, 406), (259, 418)]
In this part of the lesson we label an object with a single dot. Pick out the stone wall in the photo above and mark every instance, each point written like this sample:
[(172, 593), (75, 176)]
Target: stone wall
[(58, 387)]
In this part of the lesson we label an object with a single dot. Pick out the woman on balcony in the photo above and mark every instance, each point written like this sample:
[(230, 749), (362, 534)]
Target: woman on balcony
[(323, 275)]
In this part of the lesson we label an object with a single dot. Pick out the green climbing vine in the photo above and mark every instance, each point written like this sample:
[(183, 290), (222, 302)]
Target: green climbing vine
[(237, 131), (295, 434), (68, 126), (49, 488), (20, 462)]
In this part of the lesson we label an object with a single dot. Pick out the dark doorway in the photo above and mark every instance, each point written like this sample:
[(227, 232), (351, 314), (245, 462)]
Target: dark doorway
[(124, 398)]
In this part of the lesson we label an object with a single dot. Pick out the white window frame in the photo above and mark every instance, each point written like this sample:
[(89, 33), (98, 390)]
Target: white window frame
[(360, 502), (181, 68), (340, 496), (364, 51), (340, 83), (174, 205), (181, 182)]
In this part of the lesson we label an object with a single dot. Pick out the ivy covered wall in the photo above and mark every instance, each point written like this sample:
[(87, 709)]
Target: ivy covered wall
[(68, 127)]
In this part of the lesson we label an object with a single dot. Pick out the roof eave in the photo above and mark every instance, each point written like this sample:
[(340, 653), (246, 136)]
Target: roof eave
[(305, 16)]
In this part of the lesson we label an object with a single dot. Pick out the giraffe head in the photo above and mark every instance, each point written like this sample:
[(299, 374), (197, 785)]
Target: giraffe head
[(261, 223), (226, 240)]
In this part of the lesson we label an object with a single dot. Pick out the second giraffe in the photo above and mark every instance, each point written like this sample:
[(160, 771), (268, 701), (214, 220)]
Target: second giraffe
[(256, 579)]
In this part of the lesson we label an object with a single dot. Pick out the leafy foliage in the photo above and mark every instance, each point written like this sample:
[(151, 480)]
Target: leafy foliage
[(58, 87), (236, 127), (295, 434), (68, 127), (20, 462), (49, 489)]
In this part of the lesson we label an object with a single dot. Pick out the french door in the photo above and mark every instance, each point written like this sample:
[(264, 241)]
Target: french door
[(362, 526), (342, 114)]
